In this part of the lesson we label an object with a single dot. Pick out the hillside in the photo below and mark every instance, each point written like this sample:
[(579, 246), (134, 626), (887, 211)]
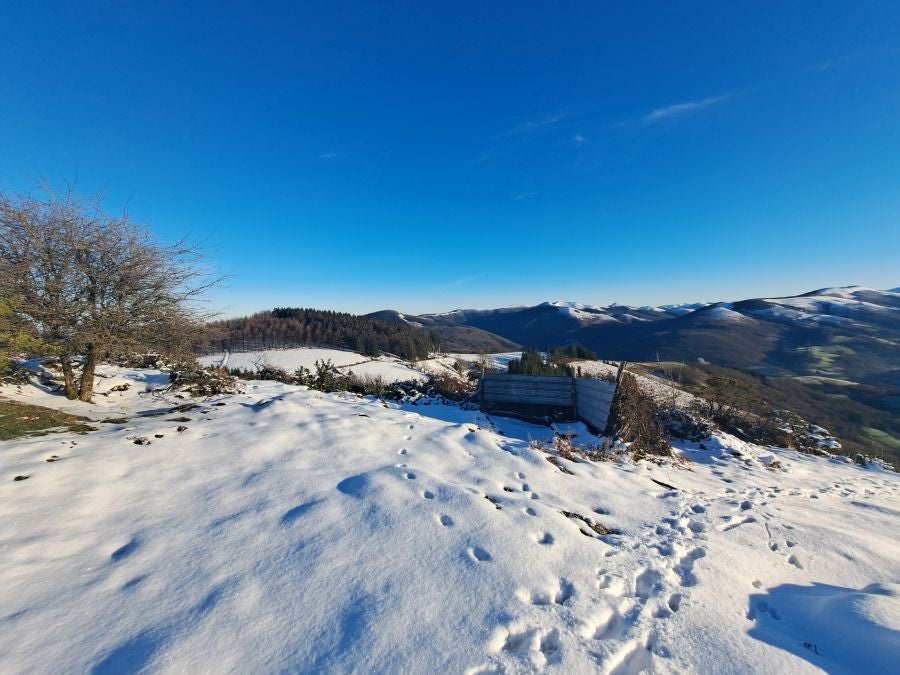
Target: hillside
[(832, 354), (285, 327), (286, 530), (387, 368), (452, 338)]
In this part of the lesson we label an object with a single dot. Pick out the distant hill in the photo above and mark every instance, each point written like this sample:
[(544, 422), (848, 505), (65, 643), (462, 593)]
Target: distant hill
[(835, 351), (452, 337), (285, 327)]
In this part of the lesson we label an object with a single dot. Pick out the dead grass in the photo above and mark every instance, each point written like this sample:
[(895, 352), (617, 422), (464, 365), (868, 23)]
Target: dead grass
[(18, 420)]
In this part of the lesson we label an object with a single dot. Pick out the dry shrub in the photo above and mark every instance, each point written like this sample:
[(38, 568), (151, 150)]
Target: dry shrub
[(635, 418), (451, 386)]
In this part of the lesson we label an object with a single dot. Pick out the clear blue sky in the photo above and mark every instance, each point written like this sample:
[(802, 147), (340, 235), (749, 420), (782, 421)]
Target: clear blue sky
[(361, 155)]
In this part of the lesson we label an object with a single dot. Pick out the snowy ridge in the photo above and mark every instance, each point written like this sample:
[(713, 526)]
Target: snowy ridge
[(290, 530), (388, 368)]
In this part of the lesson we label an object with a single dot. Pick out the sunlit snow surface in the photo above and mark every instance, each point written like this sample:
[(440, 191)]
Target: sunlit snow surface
[(293, 531), (388, 368)]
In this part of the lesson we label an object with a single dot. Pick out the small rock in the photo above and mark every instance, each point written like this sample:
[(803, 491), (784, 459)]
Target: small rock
[(142, 441), (18, 478), (181, 428), (157, 435)]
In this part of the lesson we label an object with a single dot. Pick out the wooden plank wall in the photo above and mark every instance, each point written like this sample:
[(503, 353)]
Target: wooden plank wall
[(593, 398), (528, 389)]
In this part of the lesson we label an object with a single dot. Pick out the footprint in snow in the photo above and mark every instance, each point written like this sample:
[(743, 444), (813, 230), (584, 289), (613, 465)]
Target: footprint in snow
[(647, 583), (124, 551), (558, 593), (427, 494), (685, 567), (479, 554), (445, 520), (606, 624)]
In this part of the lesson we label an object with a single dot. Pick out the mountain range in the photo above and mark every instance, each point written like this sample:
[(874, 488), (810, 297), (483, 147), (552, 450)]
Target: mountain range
[(838, 348)]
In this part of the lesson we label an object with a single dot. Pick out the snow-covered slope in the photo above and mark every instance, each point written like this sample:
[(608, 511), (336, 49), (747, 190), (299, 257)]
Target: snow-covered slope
[(286, 530), (388, 368)]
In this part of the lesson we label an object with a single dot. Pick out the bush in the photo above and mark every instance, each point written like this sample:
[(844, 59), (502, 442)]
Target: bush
[(368, 385), (12, 373), (203, 382), (686, 425), (636, 418), (451, 386)]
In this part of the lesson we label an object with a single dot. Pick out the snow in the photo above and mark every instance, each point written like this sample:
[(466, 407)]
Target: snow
[(388, 368), (828, 304), (293, 531), (499, 360), (664, 391), (585, 315), (724, 313)]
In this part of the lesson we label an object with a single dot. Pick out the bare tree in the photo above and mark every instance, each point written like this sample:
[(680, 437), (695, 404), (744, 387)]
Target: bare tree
[(94, 285)]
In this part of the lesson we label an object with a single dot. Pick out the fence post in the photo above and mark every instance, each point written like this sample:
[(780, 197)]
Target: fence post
[(575, 399), (619, 373)]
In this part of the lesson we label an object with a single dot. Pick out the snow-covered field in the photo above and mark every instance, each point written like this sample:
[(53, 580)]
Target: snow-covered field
[(498, 360), (287, 530), (388, 368)]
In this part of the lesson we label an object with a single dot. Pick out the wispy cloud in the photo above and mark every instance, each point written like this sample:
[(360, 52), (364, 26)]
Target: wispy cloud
[(525, 195), (535, 125), (330, 155), (461, 282), (681, 109)]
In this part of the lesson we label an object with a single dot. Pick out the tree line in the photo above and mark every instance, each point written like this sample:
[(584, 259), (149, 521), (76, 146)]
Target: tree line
[(532, 361), (285, 327)]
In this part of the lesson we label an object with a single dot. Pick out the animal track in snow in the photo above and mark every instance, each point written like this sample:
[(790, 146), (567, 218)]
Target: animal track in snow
[(558, 594), (731, 525), (546, 539), (647, 583), (606, 624), (478, 554), (427, 494), (675, 601), (445, 520), (634, 658), (409, 475), (542, 646), (612, 584)]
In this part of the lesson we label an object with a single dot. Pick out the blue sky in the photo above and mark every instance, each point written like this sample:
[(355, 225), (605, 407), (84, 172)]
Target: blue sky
[(429, 156)]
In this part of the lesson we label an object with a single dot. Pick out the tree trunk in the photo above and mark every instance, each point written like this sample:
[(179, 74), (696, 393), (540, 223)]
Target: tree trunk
[(68, 377), (87, 374)]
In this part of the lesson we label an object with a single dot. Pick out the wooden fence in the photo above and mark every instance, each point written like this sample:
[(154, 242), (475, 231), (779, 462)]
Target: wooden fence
[(542, 397)]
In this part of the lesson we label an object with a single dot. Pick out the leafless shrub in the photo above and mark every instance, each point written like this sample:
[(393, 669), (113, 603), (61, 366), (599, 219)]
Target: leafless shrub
[(452, 386), (91, 284), (635, 418)]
